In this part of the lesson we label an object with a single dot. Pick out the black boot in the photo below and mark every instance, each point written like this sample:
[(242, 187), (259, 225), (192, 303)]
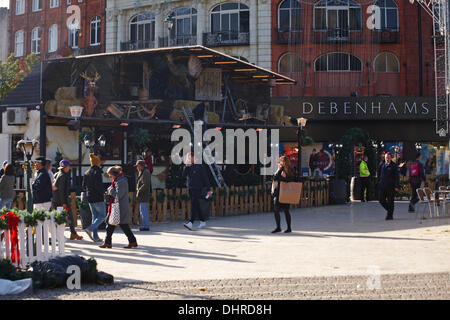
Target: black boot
[(278, 229)]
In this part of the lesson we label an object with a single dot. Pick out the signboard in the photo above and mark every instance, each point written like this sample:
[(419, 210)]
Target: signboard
[(360, 108), (208, 86)]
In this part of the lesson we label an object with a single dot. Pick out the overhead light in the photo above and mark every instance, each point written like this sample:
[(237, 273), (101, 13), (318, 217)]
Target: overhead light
[(206, 56), (284, 83), (196, 49), (176, 126), (124, 124), (261, 76), (102, 141), (259, 129), (301, 122), (243, 70), (218, 128), (225, 62)]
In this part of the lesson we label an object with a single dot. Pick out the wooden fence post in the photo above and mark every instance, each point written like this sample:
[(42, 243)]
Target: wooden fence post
[(153, 204)]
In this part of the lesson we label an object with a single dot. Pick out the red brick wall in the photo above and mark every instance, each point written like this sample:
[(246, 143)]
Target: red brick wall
[(365, 83)]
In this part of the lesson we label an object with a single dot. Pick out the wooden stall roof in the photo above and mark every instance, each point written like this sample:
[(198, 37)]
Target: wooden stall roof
[(241, 71)]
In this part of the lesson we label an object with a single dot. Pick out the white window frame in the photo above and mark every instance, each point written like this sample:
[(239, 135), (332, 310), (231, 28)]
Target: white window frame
[(20, 7), (17, 43), (385, 8), (223, 12), (290, 14), (54, 4), (337, 8), (53, 38), (284, 56), (150, 21), (35, 5), (98, 25), (73, 35), (328, 70), (36, 38), (189, 16), (387, 53)]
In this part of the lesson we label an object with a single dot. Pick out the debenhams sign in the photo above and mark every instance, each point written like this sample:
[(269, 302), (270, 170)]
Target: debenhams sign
[(366, 108)]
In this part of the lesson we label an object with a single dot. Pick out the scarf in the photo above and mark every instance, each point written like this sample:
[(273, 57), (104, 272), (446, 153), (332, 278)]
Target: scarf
[(111, 199)]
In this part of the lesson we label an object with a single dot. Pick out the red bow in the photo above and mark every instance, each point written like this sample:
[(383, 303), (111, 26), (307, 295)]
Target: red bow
[(13, 223)]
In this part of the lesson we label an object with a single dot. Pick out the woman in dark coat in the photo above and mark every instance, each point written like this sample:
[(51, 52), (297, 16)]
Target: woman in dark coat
[(119, 189), (284, 173)]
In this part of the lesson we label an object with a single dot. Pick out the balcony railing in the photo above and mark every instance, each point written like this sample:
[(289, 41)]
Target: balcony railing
[(338, 35), (136, 45), (385, 36), (226, 38), (183, 40), (288, 36)]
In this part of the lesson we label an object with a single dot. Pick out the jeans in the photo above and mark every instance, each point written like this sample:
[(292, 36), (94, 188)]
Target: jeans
[(143, 209), (98, 210), (6, 203)]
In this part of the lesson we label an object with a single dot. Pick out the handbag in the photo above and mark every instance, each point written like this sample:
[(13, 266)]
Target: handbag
[(290, 192), (114, 217)]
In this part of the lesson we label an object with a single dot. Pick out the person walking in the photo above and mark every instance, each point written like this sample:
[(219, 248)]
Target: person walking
[(42, 186), (199, 186), (61, 193), (416, 176), (93, 184), (119, 190), (364, 175), (284, 173), (388, 183), (143, 190), (7, 182), (2, 170)]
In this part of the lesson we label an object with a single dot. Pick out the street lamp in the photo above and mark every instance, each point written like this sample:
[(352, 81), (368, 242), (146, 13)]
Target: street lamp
[(27, 147), (301, 122), (89, 144)]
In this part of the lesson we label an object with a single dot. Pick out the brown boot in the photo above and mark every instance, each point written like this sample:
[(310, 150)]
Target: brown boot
[(75, 236), (105, 245), (131, 245)]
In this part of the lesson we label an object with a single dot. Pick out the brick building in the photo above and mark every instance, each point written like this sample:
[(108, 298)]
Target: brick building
[(4, 37), (40, 26)]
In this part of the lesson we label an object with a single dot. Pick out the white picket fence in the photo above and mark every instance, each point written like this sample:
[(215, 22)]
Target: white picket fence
[(47, 242)]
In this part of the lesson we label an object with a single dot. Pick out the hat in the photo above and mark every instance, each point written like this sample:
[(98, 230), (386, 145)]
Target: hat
[(64, 163), (41, 160), (140, 163), (5, 162), (95, 161)]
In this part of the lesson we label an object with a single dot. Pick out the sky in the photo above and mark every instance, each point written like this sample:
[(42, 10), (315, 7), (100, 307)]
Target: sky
[(4, 3)]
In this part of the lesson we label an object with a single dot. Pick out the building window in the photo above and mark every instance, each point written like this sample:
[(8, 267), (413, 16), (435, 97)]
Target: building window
[(96, 27), (337, 61), (290, 63), (289, 16), (19, 41), (386, 62), (37, 5), (36, 40), (53, 38), (54, 3), (185, 23), (20, 7), (69, 2), (337, 15), (389, 14), (142, 30), (440, 64), (73, 37), (231, 18)]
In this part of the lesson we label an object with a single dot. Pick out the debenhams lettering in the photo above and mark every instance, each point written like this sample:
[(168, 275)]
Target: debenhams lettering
[(365, 108)]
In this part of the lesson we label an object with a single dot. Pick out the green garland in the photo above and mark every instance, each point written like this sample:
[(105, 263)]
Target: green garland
[(172, 197), (31, 219), (160, 197), (185, 197)]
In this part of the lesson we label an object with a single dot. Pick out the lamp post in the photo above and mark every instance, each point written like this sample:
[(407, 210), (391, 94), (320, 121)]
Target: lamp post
[(301, 122), (76, 112), (27, 147)]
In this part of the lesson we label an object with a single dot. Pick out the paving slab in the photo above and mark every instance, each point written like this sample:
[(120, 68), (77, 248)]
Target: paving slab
[(339, 240)]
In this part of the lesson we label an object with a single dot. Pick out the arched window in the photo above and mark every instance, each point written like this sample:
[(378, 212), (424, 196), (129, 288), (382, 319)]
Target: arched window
[(142, 30), (53, 38), (337, 15), (36, 40), (337, 61), (19, 41), (389, 14), (386, 62), (289, 16), (185, 26), (96, 27), (230, 19), (290, 62), (73, 36)]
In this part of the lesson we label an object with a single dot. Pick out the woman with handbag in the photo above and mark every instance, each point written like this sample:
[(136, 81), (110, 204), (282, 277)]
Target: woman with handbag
[(118, 208), (284, 173)]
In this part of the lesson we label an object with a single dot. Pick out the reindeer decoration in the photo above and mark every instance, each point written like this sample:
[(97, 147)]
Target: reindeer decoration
[(89, 102)]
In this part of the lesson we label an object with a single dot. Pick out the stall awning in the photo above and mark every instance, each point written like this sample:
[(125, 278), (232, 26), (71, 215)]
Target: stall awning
[(240, 70)]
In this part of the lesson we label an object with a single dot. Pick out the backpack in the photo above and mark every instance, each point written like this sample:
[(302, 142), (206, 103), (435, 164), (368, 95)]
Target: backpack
[(414, 169)]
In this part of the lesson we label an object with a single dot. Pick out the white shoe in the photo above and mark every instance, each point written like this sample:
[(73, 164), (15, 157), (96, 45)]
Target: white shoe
[(188, 225), (202, 224)]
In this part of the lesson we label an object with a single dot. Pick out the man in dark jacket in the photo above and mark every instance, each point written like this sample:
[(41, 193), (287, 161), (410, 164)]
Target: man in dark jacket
[(93, 184), (198, 187), (61, 193), (388, 184), (42, 187), (416, 176), (143, 190)]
